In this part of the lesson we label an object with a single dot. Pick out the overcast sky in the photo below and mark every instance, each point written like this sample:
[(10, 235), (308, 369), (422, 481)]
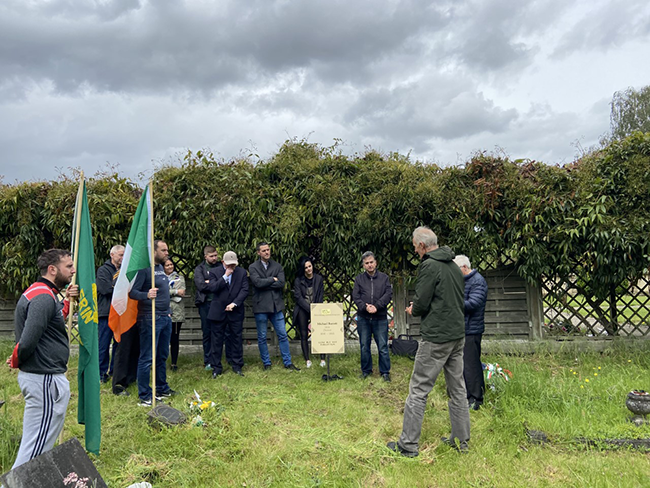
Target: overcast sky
[(131, 83)]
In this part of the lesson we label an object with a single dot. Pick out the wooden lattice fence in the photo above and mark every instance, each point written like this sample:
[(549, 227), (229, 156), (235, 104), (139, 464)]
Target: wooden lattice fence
[(570, 309)]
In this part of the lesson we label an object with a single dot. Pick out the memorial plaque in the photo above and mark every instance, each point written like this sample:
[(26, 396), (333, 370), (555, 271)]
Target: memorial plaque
[(327, 335)]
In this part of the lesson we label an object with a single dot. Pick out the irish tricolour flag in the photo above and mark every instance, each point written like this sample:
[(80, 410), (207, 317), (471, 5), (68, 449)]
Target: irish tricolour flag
[(137, 255)]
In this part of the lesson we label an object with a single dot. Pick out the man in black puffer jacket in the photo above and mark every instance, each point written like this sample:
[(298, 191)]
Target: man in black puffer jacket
[(475, 299)]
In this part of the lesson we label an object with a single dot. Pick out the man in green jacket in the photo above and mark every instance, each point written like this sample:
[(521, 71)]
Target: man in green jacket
[(439, 301)]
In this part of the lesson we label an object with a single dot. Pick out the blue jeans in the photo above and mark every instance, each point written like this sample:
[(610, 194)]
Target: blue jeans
[(367, 328), (277, 319), (163, 335), (105, 338)]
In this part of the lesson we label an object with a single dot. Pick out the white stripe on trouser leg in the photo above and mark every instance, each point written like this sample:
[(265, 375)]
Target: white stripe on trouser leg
[(46, 401)]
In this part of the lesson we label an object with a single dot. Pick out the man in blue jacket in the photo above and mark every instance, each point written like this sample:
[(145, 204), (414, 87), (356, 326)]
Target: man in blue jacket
[(476, 290), (372, 294), (229, 284), (145, 292)]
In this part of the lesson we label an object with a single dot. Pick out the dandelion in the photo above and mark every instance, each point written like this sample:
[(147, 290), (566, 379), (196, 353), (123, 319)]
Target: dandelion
[(575, 372), (595, 374), (581, 386), (598, 367), (629, 360), (586, 380)]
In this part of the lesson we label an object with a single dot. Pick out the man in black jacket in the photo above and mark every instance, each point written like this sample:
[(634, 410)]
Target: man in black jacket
[(229, 283), (371, 294), (106, 277), (203, 297), (476, 290), (42, 352), (268, 281)]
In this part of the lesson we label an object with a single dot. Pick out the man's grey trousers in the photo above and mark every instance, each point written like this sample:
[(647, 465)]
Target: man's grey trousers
[(430, 360), (46, 401)]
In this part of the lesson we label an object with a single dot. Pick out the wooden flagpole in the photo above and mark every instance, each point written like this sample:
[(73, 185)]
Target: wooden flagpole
[(153, 303), (75, 260)]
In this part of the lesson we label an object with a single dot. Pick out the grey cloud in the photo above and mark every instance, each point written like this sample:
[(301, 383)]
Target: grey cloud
[(434, 107), (606, 26), (165, 45)]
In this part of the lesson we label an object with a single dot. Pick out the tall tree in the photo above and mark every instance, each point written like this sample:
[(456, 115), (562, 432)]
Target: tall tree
[(630, 112)]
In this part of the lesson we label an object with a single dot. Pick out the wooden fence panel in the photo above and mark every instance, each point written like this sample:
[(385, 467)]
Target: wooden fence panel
[(507, 311)]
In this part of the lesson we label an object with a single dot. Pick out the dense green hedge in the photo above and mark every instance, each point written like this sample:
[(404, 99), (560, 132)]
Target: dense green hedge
[(593, 214)]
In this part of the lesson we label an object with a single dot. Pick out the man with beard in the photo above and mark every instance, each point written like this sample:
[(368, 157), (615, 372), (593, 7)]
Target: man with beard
[(203, 298), (144, 291), (106, 277), (42, 352)]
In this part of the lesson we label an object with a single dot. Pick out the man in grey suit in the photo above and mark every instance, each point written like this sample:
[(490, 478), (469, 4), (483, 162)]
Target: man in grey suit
[(268, 281)]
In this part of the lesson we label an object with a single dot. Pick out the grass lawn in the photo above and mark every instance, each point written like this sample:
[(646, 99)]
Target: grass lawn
[(282, 429)]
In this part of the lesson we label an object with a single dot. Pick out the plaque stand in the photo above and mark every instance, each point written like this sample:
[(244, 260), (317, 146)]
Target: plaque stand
[(328, 377)]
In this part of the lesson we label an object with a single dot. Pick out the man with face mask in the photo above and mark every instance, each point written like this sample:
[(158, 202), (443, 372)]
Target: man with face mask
[(42, 352)]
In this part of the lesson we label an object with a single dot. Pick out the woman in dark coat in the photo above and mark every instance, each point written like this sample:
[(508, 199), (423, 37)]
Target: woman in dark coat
[(307, 289)]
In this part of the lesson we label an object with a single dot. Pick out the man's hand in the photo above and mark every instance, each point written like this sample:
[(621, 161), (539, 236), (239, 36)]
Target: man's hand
[(153, 293), (409, 309), (231, 307), (229, 270), (180, 293), (371, 308), (275, 278), (72, 291)]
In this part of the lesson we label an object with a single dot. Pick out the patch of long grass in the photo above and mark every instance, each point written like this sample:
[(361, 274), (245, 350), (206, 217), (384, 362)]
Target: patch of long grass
[(282, 429)]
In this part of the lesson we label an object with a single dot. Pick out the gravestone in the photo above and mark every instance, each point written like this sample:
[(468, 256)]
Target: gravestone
[(65, 465)]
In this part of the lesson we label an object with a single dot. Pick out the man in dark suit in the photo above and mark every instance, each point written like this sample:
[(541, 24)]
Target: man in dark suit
[(204, 297), (268, 280), (229, 285)]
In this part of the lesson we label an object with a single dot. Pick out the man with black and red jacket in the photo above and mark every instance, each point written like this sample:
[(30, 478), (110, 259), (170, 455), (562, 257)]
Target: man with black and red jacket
[(42, 353)]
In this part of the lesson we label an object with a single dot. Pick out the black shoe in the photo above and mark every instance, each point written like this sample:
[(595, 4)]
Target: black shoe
[(386, 377), (395, 447), (291, 367), (462, 446), (215, 374), (174, 367), (363, 376), (167, 394), (267, 367), (121, 392), (474, 405), (106, 378), (238, 372)]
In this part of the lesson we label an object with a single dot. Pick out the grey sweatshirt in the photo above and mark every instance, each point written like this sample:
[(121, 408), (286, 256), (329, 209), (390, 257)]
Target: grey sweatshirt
[(41, 333)]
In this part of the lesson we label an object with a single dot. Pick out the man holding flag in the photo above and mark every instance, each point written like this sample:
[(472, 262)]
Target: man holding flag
[(42, 353), (123, 315), (144, 292)]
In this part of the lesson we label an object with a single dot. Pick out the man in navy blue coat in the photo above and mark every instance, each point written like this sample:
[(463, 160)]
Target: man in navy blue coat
[(476, 290), (229, 284)]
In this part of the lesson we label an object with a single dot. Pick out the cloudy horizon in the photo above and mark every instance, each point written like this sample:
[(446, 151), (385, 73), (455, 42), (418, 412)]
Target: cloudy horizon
[(131, 83)]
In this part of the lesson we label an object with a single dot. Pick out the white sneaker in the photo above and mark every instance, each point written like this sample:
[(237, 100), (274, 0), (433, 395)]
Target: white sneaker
[(308, 363), (322, 363)]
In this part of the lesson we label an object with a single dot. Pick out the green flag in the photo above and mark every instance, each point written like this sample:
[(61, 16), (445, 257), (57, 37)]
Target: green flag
[(89, 410)]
